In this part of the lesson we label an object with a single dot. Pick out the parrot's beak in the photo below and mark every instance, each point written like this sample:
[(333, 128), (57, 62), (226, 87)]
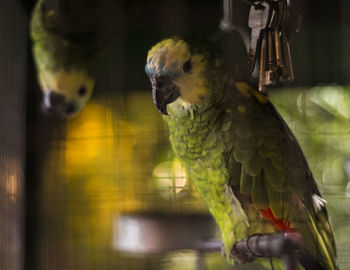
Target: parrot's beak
[(164, 92)]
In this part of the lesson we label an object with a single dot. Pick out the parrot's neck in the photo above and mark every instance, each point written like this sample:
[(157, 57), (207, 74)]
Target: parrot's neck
[(192, 126)]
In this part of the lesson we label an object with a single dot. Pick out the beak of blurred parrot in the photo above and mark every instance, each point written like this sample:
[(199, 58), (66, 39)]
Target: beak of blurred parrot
[(56, 104), (164, 92)]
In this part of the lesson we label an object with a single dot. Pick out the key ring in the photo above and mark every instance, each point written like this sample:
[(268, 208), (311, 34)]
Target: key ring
[(253, 3)]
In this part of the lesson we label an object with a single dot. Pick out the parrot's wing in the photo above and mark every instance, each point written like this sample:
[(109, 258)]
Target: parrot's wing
[(274, 172)]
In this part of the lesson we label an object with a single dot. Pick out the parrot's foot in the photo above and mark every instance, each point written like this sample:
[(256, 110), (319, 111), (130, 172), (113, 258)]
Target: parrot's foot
[(239, 258)]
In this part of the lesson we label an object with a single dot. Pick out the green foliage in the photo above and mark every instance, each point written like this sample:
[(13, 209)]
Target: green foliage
[(320, 118)]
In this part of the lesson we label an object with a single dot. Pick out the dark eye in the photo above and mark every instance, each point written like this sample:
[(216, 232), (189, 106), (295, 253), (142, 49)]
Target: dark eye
[(82, 91), (187, 66)]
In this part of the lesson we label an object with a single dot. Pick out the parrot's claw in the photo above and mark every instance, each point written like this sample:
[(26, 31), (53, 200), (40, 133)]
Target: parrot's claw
[(239, 258)]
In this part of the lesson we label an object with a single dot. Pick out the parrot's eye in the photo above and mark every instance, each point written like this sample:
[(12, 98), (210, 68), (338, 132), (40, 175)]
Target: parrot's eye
[(82, 91), (187, 66)]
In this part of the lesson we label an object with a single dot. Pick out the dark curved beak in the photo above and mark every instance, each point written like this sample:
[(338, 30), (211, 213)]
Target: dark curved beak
[(55, 104), (164, 92)]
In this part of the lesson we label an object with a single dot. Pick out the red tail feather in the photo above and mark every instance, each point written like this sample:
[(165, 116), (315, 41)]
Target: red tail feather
[(280, 224)]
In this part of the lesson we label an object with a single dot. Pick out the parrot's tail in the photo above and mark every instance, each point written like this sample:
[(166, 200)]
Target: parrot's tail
[(323, 239)]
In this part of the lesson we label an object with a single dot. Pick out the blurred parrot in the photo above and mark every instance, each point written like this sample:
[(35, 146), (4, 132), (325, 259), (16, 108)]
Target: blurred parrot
[(65, 50), (238, 151)]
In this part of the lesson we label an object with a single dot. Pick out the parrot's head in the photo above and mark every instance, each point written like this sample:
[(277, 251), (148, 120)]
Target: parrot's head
[(65, 58), (65, 92), (183, 70)]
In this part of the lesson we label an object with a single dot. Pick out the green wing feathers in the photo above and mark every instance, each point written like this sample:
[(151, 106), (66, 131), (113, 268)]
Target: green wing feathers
[(274, 173)]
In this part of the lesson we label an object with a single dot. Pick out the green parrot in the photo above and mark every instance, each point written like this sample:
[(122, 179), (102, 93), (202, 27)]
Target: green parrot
[(238, 151), (64, 50)]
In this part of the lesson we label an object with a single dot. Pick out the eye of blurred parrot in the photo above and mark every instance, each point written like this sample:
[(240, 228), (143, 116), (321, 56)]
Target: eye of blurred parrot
[(240, 154), (65, 57), (82, 91), (187, 66)]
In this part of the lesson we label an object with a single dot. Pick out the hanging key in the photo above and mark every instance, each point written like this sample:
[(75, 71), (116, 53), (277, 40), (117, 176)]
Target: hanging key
[(276, 36), (287, 74), (263, 61), (258, 17), (287, 71), (270, 72), (278, 49), (278, 62), (269, 40)]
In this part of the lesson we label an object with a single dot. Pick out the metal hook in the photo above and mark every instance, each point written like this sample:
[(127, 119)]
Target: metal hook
[(226, 22)]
